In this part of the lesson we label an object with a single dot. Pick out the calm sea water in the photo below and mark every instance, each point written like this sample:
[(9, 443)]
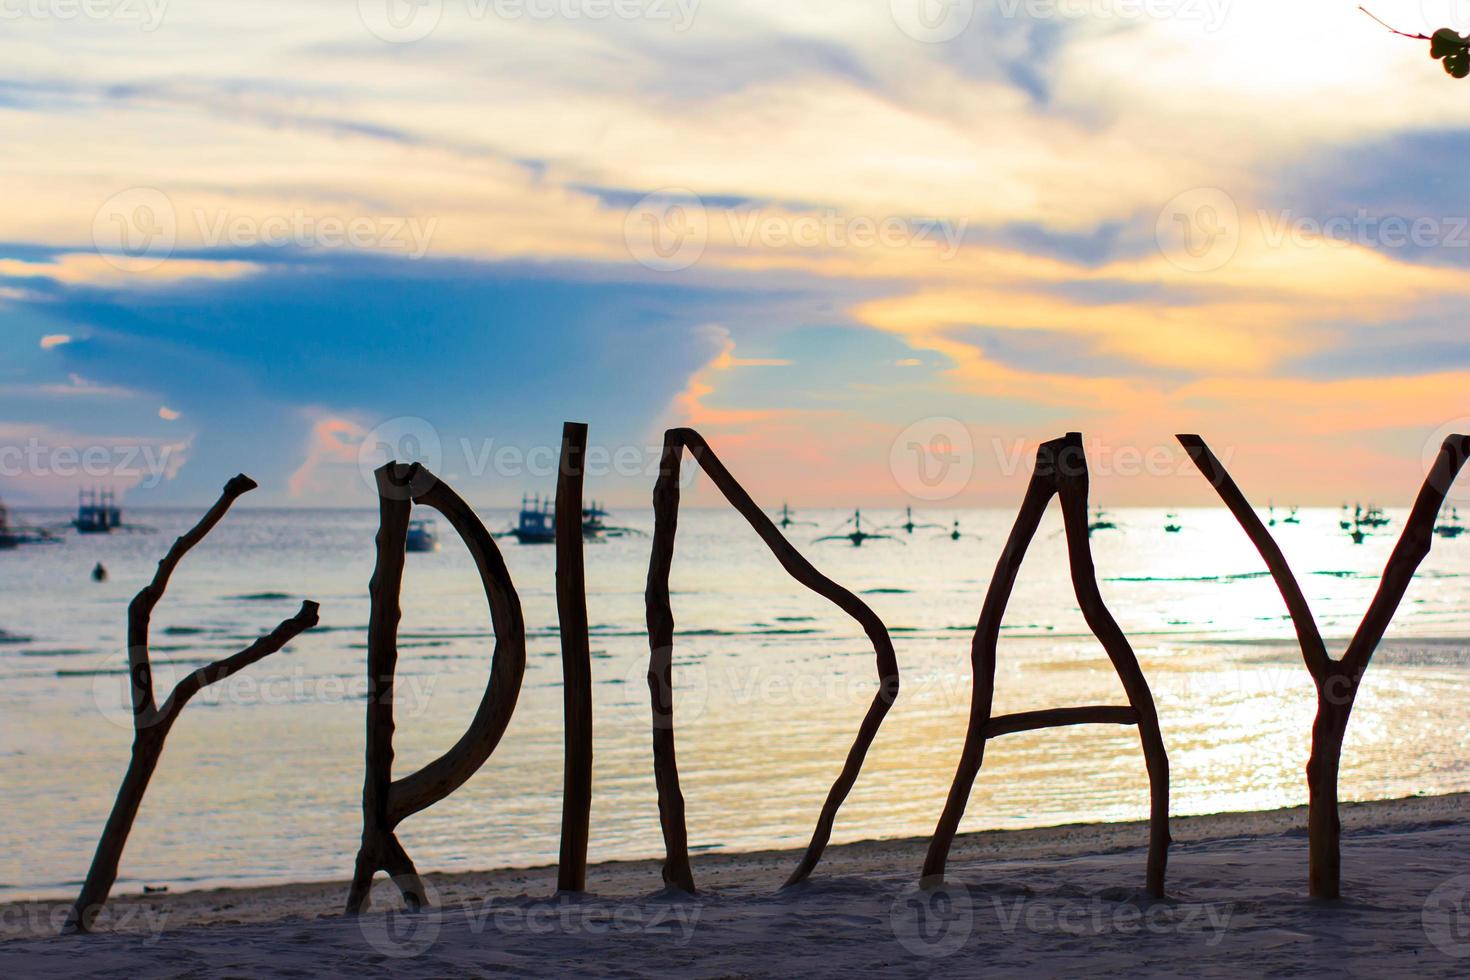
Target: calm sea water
[(262, 777)]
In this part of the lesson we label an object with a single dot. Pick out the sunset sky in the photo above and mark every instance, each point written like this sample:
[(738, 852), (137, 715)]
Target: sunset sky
[(258, 236)]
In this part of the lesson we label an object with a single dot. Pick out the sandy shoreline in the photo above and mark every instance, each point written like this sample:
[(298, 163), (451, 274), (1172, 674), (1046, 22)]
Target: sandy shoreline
[(1237, 885), (754, 872)]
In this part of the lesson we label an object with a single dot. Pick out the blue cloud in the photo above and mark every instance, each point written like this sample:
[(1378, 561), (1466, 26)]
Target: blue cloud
[(1422, 345), (1375, 190), (504, 351)]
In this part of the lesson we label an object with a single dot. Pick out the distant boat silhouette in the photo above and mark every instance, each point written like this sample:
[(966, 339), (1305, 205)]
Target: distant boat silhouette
[(1451, 528), (908, 524), (954, 533), (423, 535), (536, 523), (1173, 526), (97, 512), (1100, 522), (788, 519), (1292, 518), (13, 536), (857, 535)]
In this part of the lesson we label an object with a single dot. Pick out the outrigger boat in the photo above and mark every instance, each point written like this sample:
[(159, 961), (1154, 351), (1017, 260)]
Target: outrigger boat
[(954, 533), (1451, 528), (536, 523), (423, 535), (908, 524), (13, 536), (1375, 517), (857, 535), (98, 513), (788, 519), (1100, 522)]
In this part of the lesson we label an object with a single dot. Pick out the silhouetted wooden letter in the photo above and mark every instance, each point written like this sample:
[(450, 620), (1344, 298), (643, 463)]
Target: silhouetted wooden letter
[(387, 801), (1336, 680), (677, 871), (152, 721), (576, 662), (1061, 469)]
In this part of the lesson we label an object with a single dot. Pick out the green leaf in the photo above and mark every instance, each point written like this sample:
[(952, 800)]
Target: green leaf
[(1444, 43)]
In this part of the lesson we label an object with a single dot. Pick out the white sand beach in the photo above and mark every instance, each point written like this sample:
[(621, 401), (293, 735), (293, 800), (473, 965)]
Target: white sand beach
[(1064, 901)]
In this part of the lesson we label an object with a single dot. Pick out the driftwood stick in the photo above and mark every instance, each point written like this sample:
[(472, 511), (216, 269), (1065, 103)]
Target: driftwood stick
[(1073, 483), (1337, 681), (387, 802), (576, 662), (677, 871), (152, 723), (1061, 469), (1309, 638), (982, 668), (140, 610), (384, 589), (1412, 548), (1026, 721)]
